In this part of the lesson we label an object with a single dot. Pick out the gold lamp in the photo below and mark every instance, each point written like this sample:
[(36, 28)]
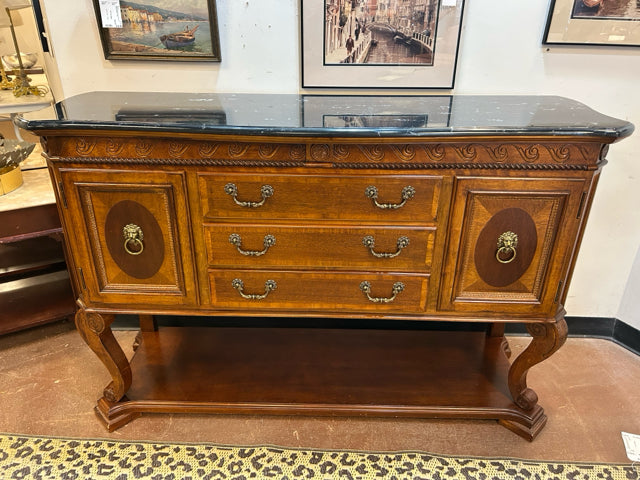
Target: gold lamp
[(21, 84), (5, 83)]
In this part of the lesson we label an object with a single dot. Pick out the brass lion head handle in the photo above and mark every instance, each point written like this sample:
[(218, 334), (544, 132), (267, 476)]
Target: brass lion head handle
[(133, 237), (507, 244)]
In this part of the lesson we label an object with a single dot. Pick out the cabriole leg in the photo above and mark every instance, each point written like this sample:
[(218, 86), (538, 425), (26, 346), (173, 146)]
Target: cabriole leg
[(547, 339), (95, 329)]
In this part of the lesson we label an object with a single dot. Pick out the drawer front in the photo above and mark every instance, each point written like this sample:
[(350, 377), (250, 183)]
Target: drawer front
[(510, 243), (314, 291), (371, 248), (128, 241), (399, 198)]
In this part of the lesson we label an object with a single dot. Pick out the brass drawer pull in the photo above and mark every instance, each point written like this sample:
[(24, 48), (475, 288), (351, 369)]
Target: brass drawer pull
[(133, 235), (369, 242), (507, 243), (268, 241), (408, 193), (265, 190), (269, 285), (395, 290)]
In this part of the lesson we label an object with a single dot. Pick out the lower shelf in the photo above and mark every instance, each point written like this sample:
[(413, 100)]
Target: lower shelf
[(396, 373), (35, 300)]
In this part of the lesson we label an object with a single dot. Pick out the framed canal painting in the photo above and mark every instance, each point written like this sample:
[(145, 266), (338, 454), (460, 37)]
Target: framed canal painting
[(380, 43), (158, 29), (593, 22)]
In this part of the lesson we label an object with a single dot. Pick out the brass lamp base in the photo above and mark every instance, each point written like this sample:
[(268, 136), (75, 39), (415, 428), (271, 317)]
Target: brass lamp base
[(22, 86), (5, 83)]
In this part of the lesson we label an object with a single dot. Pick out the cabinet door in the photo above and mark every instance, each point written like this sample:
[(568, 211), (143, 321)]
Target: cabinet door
[(129, 240), (510, 242)]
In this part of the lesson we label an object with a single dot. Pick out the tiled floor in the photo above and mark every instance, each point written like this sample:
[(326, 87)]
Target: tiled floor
[(590, 390)]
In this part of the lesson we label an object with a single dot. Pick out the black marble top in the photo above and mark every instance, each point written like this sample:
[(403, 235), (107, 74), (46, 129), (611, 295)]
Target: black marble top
[(336, 116)]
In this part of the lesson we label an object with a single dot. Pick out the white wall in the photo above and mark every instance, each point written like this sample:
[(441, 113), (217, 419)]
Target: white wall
[(629, 310), (259, 41), (500, 52)]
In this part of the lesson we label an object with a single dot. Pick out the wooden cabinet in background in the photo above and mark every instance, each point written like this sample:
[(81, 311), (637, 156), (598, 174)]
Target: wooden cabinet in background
[(434, 209), (34, 281)]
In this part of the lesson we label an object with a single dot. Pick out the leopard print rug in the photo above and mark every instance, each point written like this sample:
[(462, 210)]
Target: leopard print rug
[(28, 457)]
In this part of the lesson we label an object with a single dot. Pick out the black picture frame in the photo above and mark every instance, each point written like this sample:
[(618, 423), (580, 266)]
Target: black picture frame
[(590, 22), (430, 30)]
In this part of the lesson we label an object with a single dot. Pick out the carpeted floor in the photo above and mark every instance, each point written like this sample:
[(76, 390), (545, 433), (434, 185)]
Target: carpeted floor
[(23, 457)]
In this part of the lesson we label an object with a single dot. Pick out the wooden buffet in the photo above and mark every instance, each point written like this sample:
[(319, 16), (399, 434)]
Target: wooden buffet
[(380, 209)]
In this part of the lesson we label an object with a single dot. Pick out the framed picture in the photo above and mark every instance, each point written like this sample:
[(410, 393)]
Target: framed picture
[(593, 22), (380, 43), (184, 30)]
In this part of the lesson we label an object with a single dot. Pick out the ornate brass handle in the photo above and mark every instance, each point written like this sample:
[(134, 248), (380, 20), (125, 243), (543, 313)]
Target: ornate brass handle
[(408, 193), (133, 235), (395, 290), (369, 242), (269, 285), (268, 241), (507, 243), (265, 190)]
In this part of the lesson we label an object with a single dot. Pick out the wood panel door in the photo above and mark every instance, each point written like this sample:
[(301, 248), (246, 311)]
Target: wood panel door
[(131, 243), (510, 242)]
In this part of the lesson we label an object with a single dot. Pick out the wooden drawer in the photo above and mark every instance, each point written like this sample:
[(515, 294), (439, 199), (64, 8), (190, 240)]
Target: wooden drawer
[(314, 291), (394, 248), (326, 197)]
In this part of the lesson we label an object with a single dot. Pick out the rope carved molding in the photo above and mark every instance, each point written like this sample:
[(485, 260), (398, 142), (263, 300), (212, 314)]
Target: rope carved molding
[(535, 156)]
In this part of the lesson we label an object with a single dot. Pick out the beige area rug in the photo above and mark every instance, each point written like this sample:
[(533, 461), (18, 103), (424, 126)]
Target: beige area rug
[(32, 457)]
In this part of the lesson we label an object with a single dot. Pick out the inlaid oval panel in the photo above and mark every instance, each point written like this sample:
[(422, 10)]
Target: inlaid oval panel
[(148, 262), (489, 268)]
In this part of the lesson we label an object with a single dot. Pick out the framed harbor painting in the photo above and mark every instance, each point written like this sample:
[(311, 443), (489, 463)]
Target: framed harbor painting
[(593, 22), (184, 30), (380, 43)]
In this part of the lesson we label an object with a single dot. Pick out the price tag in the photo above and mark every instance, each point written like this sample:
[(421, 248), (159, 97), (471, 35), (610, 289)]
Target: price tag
[(632, 445), (110, 13)]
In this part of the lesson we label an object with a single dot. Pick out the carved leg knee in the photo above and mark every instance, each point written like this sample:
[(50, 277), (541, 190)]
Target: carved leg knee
[(547, 339), (95, 329)]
